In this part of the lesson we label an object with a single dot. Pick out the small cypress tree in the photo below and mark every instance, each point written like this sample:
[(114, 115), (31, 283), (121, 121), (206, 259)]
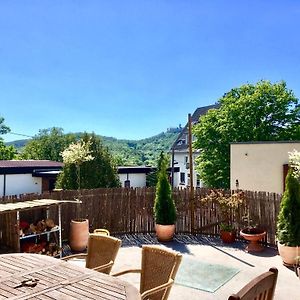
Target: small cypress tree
[(288, 222), (164, 206), (152, 177)]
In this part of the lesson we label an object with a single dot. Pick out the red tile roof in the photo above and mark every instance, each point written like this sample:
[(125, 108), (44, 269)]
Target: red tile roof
[(30, 164)]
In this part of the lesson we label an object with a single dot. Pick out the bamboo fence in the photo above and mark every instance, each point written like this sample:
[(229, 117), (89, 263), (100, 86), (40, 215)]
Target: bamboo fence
[(128, 210)]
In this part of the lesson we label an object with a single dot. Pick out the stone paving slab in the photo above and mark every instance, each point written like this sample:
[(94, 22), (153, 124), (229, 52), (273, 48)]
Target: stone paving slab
[(212, 250)]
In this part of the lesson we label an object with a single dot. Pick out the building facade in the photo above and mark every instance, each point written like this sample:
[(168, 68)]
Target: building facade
[(260, 166), (181, 153), (27, 176)]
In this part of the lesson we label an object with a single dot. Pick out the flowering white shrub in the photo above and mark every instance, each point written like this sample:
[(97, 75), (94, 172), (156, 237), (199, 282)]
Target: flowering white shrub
[(77, 153), (294, 162)]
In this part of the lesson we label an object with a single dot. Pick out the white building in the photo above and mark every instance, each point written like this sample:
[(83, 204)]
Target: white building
[(136, 176), (260, 166), (37, 176), (181, 153), (27, 176), (133, 176)]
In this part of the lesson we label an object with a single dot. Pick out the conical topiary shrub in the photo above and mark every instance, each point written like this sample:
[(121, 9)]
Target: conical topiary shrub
[(164, 206), (288, 222)]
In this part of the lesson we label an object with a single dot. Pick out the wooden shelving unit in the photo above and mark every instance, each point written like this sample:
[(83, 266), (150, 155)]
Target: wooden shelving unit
[(10, 221)]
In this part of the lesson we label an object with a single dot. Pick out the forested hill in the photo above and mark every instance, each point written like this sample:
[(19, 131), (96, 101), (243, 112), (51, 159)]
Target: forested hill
[(132, 152), (140, 152)]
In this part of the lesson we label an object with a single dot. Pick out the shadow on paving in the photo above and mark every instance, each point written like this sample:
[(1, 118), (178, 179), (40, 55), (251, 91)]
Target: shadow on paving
[(181, 241)]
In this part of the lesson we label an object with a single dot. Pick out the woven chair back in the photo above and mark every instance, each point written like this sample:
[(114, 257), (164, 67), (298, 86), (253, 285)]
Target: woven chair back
[(261, 287), (102, 231), (101, 250), (158, 266)]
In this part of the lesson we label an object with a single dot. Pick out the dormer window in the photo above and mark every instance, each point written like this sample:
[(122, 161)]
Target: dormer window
[(180, 142)]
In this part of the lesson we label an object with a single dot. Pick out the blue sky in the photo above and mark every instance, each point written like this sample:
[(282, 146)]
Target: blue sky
[(131, 69)]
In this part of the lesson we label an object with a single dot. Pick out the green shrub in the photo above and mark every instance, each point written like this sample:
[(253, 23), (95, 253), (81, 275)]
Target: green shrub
[(288, 223), (164, 206), (227, 227)]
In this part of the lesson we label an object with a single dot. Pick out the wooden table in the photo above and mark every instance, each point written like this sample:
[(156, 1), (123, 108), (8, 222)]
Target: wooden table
[(57, 279)]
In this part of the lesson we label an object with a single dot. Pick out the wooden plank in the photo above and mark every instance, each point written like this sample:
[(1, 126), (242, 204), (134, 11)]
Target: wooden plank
[(10, 207), (62, 280), (99, 290)]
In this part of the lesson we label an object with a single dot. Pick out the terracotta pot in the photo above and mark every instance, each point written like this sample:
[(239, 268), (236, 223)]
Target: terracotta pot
[(298, 272), (228, 237), (164, 233), (79, 234), (288, 254), (253, 235)]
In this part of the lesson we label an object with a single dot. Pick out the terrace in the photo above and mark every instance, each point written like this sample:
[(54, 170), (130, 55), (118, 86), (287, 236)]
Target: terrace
[(127, 213), (202, 250)]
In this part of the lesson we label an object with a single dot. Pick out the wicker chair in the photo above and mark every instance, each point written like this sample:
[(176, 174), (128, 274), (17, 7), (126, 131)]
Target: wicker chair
[(158, 271), (261, 287), (101, 252), (101, 231)]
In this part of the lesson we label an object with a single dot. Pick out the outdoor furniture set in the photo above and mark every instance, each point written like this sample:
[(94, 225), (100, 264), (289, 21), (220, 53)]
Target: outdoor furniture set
[(34, 276)]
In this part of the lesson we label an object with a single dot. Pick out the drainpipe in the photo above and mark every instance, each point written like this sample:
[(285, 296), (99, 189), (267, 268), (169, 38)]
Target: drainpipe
[(4, 185), (172, 171), (191, 173)]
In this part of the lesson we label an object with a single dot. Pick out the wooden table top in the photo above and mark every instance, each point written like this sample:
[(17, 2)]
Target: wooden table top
[(57, 279)]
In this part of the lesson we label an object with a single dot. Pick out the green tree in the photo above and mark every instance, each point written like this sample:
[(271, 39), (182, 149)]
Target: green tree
[(261, 112), (152, 177), (288, 223), (164, 206), (48, 144), (96, 173), (3, 128), (6, 152)]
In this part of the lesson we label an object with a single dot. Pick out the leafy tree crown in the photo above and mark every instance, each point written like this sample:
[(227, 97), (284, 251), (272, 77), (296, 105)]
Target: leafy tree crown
[(261, 112), (6, 152), (98, 172), (77, 153)]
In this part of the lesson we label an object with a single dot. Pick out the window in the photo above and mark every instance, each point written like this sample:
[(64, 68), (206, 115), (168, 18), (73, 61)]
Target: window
[(180, 142), (182, 177), (127, 183), (186, 159), (198, 180)]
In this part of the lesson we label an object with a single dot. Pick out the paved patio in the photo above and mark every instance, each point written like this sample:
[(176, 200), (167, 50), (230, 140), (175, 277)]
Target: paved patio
[(212, 250)]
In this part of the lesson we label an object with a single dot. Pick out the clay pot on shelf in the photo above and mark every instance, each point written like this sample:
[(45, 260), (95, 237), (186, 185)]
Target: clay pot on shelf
[(79, 234), (253, 235)]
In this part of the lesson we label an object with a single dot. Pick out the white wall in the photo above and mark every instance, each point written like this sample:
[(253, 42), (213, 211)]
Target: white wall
[(180, 159), (259, 167), (20, 184), (136, 179)]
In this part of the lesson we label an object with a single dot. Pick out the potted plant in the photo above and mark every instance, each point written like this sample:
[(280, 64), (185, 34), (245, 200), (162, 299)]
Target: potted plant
[(164, 206), (288, 221), (76, 154), (227, 233), (297, 266), (228, 205), (252, 233)]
